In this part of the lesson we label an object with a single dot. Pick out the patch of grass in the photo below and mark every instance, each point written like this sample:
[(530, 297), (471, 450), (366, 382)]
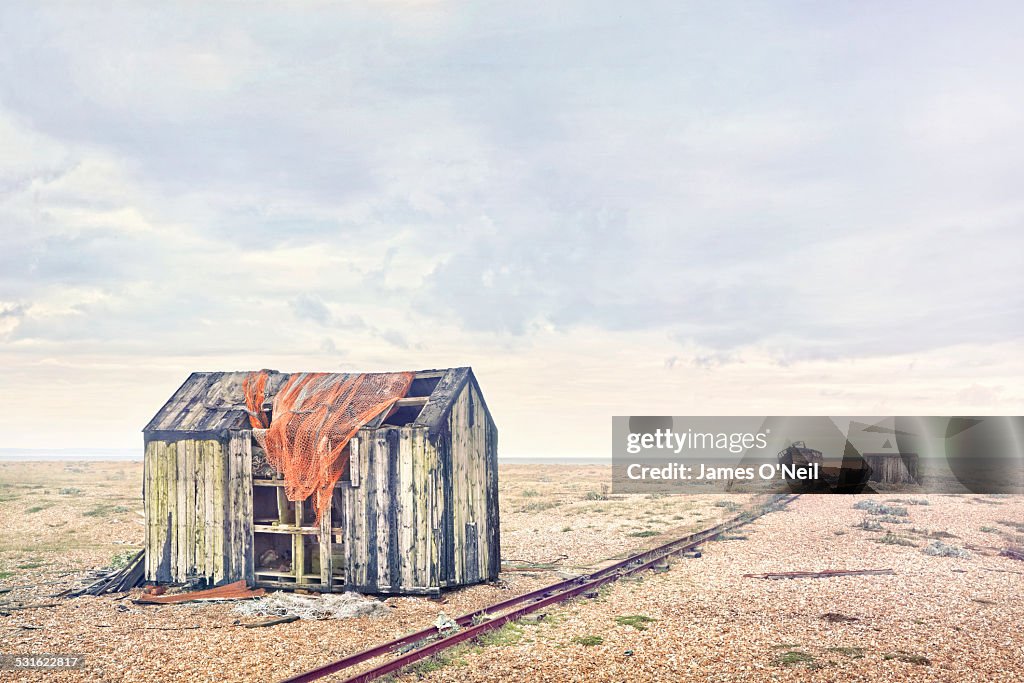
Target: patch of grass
[(644, 534), (869, 524), (34, 564), (429, 665), (893, 539), (851, 652), (596, 495), (873, 508), (39, 508), (451, 657), (990, 530), (1019, 526), (892, 519), (940, 549), (70, 491), (566, 529), (637, 621), (122, 558), (530, 493), (588, 641), (928, 533), (794, 657), (509, 634), (908, 657), (727, 504), (101, 510), (5, 575), (539, 506)]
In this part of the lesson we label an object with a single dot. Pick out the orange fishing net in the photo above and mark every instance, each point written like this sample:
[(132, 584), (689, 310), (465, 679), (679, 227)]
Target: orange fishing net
[(314, 416)]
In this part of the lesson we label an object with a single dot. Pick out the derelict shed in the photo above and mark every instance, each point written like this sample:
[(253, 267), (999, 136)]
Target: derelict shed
[(381, 483)]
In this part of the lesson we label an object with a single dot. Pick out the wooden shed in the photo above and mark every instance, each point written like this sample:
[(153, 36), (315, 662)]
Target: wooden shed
[(893, 468), (415, 510)]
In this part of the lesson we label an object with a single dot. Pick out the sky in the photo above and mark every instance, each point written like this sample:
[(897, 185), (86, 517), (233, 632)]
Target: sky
[(603, 208)]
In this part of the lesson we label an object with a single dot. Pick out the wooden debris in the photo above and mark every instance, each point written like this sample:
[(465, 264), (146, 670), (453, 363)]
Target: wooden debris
[(10, 608), (1012, 553), (118, 581), (232, 591), (272, 622), (826, 574), (837, 618)]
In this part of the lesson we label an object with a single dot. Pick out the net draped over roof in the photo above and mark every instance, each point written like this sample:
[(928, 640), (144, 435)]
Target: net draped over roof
[(314, 416)]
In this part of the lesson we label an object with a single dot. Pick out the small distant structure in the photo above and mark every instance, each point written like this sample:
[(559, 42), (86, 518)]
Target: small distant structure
[(879, 445), (893, 468), (407, 497)]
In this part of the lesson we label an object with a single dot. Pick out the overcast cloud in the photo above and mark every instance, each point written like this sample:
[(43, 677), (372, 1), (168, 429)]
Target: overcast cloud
[(603, 209)]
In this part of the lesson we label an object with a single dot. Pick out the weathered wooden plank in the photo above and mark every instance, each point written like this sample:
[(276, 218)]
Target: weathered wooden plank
[(239, 456), (411, 401), (479, 455), (360, 546), (209, 487), (217, 520), (298, 548), (480, 427), (423, 537), (444, 505), (188, 514), (459, 483), (178, 498), (199, 507), (227, 513), (326, 557), (435, 413), (369, 495), (351, 535), (147, 498), (354, 460), (245, 437), (162, 562), (494, 527), (284, 517), (406, 500), (382, 504), (395, 502)]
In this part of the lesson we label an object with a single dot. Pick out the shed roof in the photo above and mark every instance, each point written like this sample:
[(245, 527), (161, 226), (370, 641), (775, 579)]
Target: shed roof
[(214, 401)]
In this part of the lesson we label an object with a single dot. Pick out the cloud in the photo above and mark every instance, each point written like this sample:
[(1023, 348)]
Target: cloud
[(715, 190), (310, 307)]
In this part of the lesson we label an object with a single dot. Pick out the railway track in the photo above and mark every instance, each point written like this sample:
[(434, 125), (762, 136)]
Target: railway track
[(473, 624)]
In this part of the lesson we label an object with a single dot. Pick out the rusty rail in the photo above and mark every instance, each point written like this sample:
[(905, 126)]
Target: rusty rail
[(534, 600)]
